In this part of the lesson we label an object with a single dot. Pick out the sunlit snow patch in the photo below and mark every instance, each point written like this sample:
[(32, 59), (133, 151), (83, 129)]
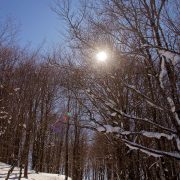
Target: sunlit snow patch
[(4, 168)]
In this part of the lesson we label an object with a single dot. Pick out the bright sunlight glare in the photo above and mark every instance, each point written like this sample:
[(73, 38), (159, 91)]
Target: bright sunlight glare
[(101, 56)]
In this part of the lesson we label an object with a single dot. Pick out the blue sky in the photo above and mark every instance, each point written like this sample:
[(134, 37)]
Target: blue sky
[(36, 19)]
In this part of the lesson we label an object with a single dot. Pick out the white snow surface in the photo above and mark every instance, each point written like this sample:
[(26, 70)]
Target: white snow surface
[(173, 109), (162, 73), (114, 114), (171, 103), (31, 176), (108, 129), (157, 135), (175, 58), (16, 89)]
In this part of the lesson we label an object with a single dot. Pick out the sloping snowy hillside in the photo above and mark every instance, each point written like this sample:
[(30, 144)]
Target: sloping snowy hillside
[(32, 176)]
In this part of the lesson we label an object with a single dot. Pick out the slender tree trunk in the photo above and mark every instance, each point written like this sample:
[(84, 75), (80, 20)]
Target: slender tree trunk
[(10, 171), (76, 171), (67, 148)]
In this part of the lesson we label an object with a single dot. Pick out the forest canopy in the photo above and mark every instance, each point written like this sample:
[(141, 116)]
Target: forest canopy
[(107, 106)]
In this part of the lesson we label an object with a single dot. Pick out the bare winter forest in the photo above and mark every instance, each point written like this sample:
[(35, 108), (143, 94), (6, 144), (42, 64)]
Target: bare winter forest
[(104, 107)]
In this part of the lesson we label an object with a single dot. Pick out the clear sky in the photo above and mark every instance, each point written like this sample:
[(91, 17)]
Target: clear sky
[(36, 19)]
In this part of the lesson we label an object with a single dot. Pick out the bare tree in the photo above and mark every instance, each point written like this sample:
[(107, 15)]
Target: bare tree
[(137, 92)]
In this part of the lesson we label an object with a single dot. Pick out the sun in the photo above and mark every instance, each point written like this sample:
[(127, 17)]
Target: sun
[(101, 56)]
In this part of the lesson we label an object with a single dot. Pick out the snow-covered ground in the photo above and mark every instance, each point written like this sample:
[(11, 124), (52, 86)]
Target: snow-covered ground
[(31, 176)]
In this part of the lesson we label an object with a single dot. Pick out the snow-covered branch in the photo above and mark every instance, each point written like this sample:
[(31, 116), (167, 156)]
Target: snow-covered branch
[(150, 151), (170, 57), (147, 99), (120, 112)]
